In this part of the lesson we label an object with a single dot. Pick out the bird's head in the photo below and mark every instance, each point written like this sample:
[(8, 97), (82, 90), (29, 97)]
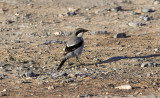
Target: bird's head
[(80, 31)]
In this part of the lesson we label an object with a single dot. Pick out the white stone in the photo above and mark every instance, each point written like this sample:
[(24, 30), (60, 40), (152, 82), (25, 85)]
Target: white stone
[(157, 49), (127, 87), (156, 2), (58, 33)]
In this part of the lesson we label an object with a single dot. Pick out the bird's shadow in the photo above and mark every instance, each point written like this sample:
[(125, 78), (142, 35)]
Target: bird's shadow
[(117, 58)]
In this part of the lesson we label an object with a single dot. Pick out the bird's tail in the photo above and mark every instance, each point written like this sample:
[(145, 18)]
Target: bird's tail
[(61, 64)]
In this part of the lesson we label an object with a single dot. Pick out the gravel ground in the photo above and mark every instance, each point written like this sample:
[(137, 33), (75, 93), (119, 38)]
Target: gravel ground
[(121, 55)]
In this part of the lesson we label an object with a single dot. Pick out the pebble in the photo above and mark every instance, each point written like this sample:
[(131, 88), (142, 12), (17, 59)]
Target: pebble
[(134, 24), (3, 94), (71, 13), (125, 1), (16, 41), (51, 41), (133, 13), (69, 80), (157, 49), (148, 64), (95, 44), (156, 2), (43, 78), (120, 35), (146, 18), (98, 32), (116, 9), (147, 10), (125, 87), (73, 9), (30, 74), (4, 90), (81, 74), (19, 81), (139, 53), (2, 76), (55, 75), (50, 87), (58, 33), (27, 16)]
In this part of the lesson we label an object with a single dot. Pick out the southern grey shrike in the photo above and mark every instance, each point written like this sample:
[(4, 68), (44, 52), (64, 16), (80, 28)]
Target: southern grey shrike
[(74, 46)]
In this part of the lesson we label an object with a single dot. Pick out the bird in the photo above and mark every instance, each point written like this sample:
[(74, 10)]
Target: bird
[(74, 46)]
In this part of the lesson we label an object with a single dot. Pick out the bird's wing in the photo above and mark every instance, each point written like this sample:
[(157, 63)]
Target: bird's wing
[(73, 47)]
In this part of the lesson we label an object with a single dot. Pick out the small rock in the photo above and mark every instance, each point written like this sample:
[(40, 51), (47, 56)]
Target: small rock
[(58, 33), (51, 41), (134, 24), (72, 9), (72, 75), (125, 1), (30, 74), (156, 2), (71, 13), (55, 75), (146, 18), (98, 32), (85, 69), (149, 75), (43, 78), (125, 87), (120, 35), (16, 41), (3, 94), (133, 13), (81, 74), (2, 76), (111, 85), (147, 10), (69, 80), (139, 53), (50, 87), (148, 64), (4, 90), (116, 9), (157, 49), (95, 44), (19, 81), (27, 16)]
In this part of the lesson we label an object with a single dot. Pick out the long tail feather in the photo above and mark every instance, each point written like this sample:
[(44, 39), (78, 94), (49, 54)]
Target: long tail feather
[(61, 64)]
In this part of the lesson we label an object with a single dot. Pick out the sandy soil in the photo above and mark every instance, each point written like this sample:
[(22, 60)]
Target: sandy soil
[(25, 27)]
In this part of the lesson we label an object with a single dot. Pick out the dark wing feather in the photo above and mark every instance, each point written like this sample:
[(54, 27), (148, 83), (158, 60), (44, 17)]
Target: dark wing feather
[(72, 48)]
